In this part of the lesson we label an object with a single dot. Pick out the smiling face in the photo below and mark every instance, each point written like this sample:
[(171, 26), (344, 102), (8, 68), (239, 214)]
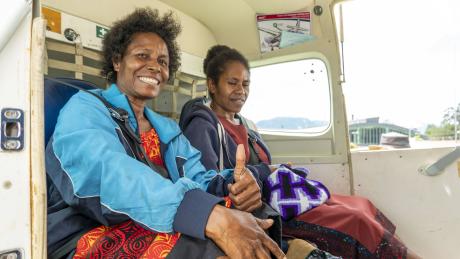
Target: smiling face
[(143, 69), (231, 91)]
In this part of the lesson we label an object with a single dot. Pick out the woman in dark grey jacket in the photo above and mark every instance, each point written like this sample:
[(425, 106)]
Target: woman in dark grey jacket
[(347, 226)]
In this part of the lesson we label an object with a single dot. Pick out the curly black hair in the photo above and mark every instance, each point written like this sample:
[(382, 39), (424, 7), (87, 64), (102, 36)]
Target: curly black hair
[(217, 58), (117, 39)]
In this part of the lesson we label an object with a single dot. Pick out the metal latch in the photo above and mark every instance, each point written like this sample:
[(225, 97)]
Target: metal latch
[(12, 127), (11, 254), (437, 167)]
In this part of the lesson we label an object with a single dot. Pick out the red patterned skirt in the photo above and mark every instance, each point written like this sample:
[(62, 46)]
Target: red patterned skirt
[(125, 240)]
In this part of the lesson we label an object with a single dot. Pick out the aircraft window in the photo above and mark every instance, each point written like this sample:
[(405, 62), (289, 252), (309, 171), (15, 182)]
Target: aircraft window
[(290, 97), (406, 81)]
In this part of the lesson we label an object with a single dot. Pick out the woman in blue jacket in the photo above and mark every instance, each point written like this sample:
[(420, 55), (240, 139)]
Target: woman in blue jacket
[(103, 201)]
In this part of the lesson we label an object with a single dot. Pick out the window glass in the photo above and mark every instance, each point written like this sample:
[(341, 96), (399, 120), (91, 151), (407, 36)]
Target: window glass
[(290, 97), (406, 80)]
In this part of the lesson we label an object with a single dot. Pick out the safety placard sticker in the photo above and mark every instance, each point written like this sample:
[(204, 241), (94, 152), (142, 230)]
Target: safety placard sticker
[(72, 29), (277, 31)]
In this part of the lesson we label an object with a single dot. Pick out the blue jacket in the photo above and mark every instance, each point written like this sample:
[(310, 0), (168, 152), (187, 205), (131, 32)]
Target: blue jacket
[(92, 180), (199, 124)]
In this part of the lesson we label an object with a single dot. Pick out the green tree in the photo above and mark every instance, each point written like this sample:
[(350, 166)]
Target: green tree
[(452, 115), (450, 118), (442, 132)]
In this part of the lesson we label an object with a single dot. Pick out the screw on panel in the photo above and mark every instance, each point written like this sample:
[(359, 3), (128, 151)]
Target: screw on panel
[(7, 185), (318, 10)]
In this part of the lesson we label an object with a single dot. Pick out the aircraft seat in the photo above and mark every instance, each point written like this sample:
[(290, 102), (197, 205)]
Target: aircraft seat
[(56, 96)]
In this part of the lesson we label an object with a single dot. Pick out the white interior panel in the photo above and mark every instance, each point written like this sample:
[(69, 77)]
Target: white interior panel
[(15, 165), (424, 208)]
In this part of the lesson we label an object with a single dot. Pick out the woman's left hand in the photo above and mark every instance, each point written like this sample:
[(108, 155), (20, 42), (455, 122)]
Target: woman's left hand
[(245, 192)]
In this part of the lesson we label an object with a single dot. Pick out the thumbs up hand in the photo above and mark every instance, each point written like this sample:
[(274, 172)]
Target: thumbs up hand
[(245, 192)]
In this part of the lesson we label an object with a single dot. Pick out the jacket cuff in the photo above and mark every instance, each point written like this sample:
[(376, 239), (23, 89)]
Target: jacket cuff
[(193, 213), (218, 186)]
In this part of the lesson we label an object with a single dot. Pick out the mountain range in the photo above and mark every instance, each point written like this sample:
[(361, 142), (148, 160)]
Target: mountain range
[(291, 123)]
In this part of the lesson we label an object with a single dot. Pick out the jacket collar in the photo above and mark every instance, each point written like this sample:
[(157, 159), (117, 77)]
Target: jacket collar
[(165, 128)]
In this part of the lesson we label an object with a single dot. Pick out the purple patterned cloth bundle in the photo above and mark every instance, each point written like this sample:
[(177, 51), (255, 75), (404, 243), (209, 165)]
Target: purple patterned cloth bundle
[(288, 191)]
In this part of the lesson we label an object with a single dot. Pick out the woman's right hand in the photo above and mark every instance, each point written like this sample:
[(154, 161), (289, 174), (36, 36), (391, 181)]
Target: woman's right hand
[(245, 193), (241, 235)]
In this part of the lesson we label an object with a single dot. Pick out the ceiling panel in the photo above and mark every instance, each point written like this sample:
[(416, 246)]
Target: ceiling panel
[(234, 22)]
